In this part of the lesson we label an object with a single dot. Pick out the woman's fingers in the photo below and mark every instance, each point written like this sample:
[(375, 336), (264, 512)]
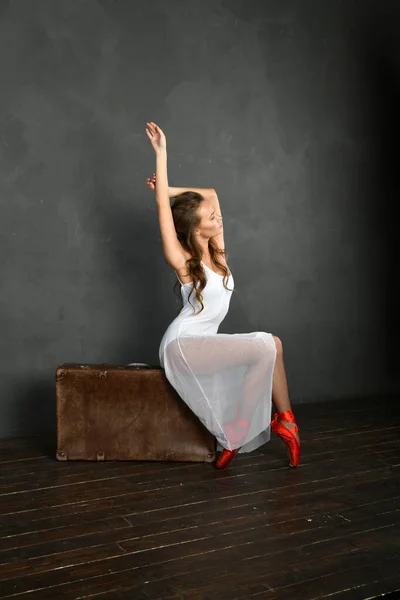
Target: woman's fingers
[(150, 136), (150, 131), (156, 128), (151, 185), (153, 128), (156, 135)]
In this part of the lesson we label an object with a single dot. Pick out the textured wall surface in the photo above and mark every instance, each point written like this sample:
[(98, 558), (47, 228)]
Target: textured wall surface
[(286, 108)]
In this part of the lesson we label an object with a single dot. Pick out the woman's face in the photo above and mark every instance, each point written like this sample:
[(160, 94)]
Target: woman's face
[(211, 222)]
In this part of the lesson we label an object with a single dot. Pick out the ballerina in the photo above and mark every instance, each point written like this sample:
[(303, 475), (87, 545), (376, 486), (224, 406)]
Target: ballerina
[(228, 380)]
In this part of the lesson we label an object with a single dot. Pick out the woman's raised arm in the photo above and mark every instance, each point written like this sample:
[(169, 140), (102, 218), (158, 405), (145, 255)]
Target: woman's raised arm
[(172, 248), (208, 193)]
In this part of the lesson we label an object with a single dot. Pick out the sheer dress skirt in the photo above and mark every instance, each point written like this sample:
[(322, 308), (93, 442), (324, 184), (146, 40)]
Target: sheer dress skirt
[(226, 380)]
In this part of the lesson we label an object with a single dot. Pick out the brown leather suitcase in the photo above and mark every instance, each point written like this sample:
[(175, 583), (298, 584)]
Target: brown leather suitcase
[(114, 412)]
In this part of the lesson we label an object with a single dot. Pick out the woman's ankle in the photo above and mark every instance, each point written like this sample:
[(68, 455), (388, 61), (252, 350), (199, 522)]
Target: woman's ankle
[(291, 425)]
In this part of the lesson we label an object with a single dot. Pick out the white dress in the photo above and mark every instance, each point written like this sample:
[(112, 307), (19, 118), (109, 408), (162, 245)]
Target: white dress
[(225, 379)]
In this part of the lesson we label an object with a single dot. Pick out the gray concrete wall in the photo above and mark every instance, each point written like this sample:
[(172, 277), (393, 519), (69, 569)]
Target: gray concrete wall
[(278, 105)]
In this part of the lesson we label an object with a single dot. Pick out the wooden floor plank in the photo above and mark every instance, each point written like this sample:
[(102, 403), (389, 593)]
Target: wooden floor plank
[(70, 548), (170, 503), (70, 472), (93, 490), (251, 537), (343, 497), (236, 588), (330, 528), (387, 589), (200, 563)]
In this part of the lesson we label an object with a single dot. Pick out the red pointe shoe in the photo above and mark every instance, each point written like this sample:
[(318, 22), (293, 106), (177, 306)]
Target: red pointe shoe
[(287, 435), (225, 458), (236, 430)]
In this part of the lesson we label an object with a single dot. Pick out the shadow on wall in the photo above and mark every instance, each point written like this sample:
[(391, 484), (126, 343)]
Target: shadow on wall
[(137, 274), (129, 263), (377, 48), (37, 415), (133, 264)]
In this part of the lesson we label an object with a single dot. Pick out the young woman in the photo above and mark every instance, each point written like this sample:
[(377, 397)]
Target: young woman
[(228, 380)]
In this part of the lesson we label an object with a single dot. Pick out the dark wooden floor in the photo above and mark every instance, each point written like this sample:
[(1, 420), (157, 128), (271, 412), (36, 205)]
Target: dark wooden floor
[(328, 529)]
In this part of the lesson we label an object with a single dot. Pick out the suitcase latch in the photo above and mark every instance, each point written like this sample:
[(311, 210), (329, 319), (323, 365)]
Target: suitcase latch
[(101, 455)]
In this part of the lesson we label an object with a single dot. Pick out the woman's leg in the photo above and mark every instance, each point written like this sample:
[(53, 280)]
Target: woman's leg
[(280, 393), (242, 391)]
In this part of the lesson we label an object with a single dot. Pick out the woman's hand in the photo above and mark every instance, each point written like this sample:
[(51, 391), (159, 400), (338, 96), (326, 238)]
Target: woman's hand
[(151, 182), (156, 136)]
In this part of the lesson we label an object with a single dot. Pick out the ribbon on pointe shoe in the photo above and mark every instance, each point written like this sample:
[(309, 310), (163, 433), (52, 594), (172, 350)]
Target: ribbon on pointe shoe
[(287, 434)]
